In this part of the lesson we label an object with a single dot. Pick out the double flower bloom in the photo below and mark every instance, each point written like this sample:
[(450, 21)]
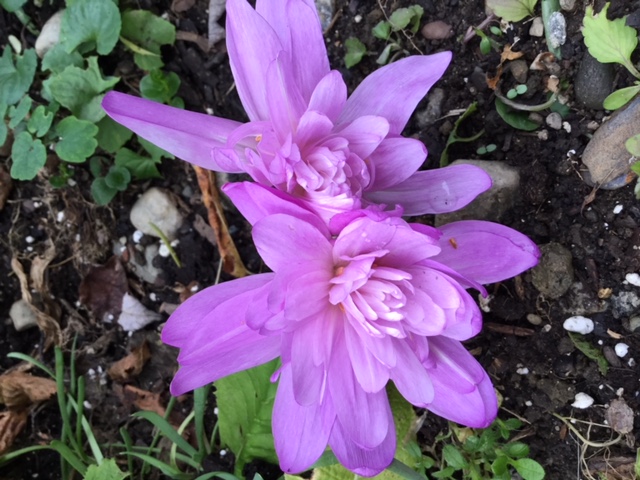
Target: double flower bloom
[(357, 296)]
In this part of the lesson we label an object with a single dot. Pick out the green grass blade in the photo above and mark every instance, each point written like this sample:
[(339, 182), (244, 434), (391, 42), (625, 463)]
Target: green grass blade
[(167, 430), (37, 363), (68, 454), (167, 470)]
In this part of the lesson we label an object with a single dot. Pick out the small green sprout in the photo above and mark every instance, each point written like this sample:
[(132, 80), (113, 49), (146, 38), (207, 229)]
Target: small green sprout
[(514, 92), (484, 149)]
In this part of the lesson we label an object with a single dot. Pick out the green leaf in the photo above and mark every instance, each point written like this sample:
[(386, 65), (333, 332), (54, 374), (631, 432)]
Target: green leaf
[(111, 135), (101, 192), (444, 473), (620, 97), (383, 59), (382, 30), (355, 50), (637, 465), (40, 121), (516, 450), (77, 140), (140, 167), (529, 469), (107, 470), (118, 178), (609, 41), (28, 155), (12, 5), (633, 147), (96, 22), (3, 126), (57, 59), (81, 91), (19, 112), (245, 402), (16, 78), (512, 10), (590, 351), (159, 86), (455, 138), (515, 118), (402, 17), (500, 465), (453, 457), (148, 31)]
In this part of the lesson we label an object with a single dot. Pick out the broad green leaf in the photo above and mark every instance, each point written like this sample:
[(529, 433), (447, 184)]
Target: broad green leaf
[(107, 470), (147, 31), (383, 58), (12, 5), (111, 135), (621, 97), (81, 91), (354, 51), (609, 41), (159, 86), (28, 157), (19, 112), (16, 78), (57, 59), (453, 457), (590, 352), (140, 167), (500, 465), (512, 10), (118, 177), (101, 192), (382, 30), (77, 139), (516, 450), (406, 17), (529, 469), (93, 22), (40, 121), (633, 147), (444, 473), (3, 126), (245, 402), (515, 118)]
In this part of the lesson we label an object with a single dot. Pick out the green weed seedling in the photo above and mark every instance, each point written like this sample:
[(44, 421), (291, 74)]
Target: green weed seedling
[(485, 149), (512, 10)]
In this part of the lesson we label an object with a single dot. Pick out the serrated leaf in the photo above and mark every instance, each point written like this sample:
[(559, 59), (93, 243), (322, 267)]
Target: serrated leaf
[(101, 192), (147, 31), (515, 118), (77, 140), (453, 457), (111, 135), (512, 10), (159, 86), (355, 50), (621, 97), (16, 78), (529, 469), (28, 156), (140, 167), (96, 22), (57, 59), (81, 91), (590, 352), (609, 41), (12, 5), (107, 470), (245, 403), (19, 112), (40, 121), (633, 147)]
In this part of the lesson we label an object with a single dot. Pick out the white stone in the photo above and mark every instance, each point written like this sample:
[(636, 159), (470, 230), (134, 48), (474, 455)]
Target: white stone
[(617, 209), (578, 324), (137, 236), (537, 27), (134, 315), (164, 251), (156, 207), (528, 403), (22, 316), (522, 371), (49, 35), (582, 400), (633, 279), (621, 349)]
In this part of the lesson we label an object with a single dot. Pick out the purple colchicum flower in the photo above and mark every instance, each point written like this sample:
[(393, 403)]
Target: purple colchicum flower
[(381, 300), (305, 137)]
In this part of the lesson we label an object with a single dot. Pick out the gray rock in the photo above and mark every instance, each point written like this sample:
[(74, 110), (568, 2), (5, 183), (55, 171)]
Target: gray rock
[(568, 5), (22, 316), (624, 303), (553, 276), (325, 12), (49, 35), (594, 82), (433, 111), (519, 70), (492, 204), (156, 207), (145, 269), (634, 324), (554, 120), (557, 33), (606, 156), (537, 27), (436, 30)]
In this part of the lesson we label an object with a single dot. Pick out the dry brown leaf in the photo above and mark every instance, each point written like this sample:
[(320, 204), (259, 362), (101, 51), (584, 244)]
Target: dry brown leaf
[(39, 267), (202, 42), (508, 54), (11, 424), (103, 288), (129, 367), (6, 184), (492, 82), (620, 416), (509, 329), (20, 390), (144, 400), (614, 334)]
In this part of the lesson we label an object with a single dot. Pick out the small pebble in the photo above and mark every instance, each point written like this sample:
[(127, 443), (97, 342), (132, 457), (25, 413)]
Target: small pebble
[(578, 324), (437, 30), (29, 239), (632, 362), (554, 120), (617, 209), (164, 251), (223, 453), (60, 216), (357, 18), (537, 27), (621, 349), (137, 236), (534, 319), (87, 405), (522, 371), (546, 328), (528, 403), (582, 400), (633, 279)]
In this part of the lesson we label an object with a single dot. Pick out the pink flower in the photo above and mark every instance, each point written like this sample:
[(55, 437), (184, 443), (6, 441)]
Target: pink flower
[(305, 137), (381, 300)]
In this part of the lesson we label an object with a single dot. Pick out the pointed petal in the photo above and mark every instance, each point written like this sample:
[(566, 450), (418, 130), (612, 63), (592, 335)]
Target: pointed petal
[(486, 252), (187, 135), (435, 191), (366, 462), (297, 24), (286, 104), (252, 44), (329, 96), (300, 433), (395, 160), (309, 380), (410, 376), (370, 373), (394, 91), (463, 390), (365, 134)]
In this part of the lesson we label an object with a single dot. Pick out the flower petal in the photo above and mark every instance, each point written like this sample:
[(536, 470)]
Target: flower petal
[(394, 90), (252, 44), (187, 135), (329, 96), (286, 104), (364, 134), (486, 252), (435, 191), (395, 160), (463, 390), (410, 376), (370, 373), (300, 432), (309, 380)]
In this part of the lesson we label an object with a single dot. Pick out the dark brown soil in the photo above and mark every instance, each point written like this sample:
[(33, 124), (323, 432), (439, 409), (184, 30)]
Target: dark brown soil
[(550, 209)]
